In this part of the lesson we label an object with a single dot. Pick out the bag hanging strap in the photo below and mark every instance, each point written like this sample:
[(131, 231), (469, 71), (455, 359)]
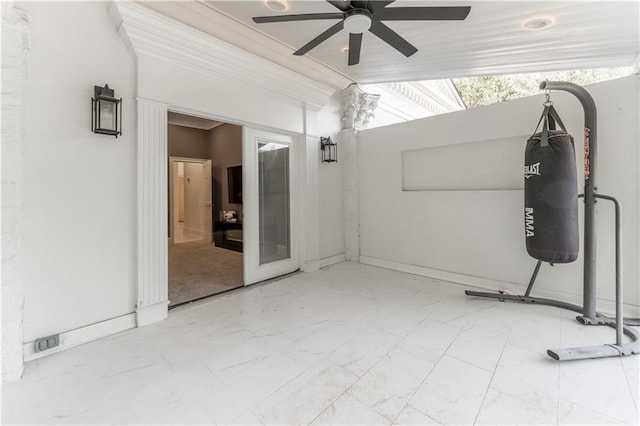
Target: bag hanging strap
[(553, 115), (550, 117)]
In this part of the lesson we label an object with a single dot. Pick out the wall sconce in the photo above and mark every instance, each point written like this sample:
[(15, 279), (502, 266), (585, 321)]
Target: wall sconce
[(106, 112), (329, 150)]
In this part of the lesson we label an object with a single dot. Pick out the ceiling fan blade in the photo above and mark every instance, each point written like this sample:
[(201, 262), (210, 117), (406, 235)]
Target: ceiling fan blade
[(377, 5), (451, 13), (392, 38), (322, 37), (340, 4), (302, 17), (355, 43)]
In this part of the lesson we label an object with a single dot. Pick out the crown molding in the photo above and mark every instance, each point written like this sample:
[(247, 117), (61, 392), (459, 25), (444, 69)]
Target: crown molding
[(204, 16), (147, 32), (413, 100)]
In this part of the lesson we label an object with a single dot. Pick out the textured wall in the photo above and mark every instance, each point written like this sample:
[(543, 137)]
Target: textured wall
[(15, 43)]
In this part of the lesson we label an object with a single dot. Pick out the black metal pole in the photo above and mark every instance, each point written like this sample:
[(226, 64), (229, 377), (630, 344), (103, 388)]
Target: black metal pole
[(533, 278), (590, 145), (619, 295)]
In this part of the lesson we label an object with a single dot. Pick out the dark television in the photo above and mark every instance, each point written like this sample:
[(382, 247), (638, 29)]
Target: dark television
[(234, 180)]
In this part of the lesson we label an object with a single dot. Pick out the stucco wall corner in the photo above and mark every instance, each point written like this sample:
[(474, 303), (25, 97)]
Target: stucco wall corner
[(15, 43)]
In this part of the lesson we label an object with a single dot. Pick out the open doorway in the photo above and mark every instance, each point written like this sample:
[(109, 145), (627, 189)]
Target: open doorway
[(191, 206), (205, 208)]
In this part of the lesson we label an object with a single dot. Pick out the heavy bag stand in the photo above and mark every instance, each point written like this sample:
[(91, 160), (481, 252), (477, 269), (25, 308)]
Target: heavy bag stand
[(589, 314)]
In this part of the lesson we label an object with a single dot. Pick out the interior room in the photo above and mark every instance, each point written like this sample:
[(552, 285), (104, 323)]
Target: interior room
[(205, 208), (320, 212)]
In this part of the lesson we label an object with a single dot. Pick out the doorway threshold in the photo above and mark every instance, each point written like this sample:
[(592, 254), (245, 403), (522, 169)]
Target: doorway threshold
[(197, 299), (234, 290)]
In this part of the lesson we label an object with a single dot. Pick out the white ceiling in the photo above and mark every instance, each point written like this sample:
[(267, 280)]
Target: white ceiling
[(586, 34)]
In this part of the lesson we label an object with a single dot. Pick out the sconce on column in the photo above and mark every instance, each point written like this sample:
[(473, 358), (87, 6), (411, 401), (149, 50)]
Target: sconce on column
[(106, 112), (329, 150)]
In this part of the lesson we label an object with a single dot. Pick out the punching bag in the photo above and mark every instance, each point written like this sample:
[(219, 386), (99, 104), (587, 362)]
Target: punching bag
[(551, 192)]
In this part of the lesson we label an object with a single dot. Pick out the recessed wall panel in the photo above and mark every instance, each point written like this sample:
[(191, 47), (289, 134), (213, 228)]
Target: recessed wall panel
[(483, 165)]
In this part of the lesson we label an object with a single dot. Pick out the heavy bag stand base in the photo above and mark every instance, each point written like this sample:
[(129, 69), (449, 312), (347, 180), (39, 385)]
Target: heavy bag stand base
[(588, 310)]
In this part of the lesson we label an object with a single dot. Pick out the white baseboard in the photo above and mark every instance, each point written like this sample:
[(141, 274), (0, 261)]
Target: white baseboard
[(82, 335), (152, 313), (197, 231), (606, 307), (328, 261), (311, 266)]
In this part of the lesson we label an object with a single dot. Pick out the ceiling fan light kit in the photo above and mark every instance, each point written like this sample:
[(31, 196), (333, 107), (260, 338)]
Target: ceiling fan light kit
[(358, 22), (358, 17)]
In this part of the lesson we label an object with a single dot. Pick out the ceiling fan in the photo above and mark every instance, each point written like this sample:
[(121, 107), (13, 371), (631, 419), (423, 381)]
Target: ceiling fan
[(359, 16)]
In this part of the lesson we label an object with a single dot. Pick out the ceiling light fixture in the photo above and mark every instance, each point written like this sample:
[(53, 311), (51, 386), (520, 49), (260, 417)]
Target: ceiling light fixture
[(536, 23), (344, 49), (358, 22), (277, 5)]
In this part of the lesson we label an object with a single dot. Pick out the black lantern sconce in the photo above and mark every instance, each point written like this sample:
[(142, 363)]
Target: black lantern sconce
[(106, 112), (329, 150)]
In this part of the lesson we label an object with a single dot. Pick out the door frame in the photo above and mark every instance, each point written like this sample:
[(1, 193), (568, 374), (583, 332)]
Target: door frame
[(172, 205), (153, 202), (255, 272)]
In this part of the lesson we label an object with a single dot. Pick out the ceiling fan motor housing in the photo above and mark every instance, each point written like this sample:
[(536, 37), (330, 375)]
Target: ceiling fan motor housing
[(357, 21)]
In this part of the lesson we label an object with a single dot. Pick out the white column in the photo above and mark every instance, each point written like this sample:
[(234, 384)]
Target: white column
[(15, 43), (348, 142), (358, 109), (152, 212), (310, 220)]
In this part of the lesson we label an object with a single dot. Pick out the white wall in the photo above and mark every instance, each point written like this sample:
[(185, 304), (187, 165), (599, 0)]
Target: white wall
[(215, 95), (15, 44), (79, 191), (480, 233), (330, 183), (193, 198)]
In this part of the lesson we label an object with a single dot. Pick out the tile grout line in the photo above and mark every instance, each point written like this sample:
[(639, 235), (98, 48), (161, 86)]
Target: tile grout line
[(324, 358), (626, 376), (376, 363), (427, 376), (381, 358), (363, 374), (475, 420)]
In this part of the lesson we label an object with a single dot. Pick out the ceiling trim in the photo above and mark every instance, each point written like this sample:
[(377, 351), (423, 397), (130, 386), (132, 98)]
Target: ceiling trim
[(147, 32), (205, 17)]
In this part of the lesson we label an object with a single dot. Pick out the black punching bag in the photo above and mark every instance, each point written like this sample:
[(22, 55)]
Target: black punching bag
[(550, 192)]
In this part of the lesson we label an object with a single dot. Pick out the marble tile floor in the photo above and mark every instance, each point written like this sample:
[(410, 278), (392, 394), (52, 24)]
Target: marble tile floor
[(350, 344)]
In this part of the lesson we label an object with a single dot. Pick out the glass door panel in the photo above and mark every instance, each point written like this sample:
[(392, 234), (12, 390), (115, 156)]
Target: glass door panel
[(274, 203)]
